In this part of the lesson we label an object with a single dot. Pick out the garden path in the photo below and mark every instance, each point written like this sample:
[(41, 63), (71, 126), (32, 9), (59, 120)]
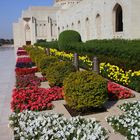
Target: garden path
[(7, 80)]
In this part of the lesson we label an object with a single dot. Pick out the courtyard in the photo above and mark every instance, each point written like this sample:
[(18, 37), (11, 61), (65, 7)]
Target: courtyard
[(37, 97), (70, 70)]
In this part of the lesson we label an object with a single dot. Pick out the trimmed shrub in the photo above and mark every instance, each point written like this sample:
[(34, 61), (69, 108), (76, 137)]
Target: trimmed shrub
[(67, 38), (84, 90), (52, 44), (46, 61), (123, 53), (38, 59), (135, 83), (126, 52), (36, 54), (57, 71), (41, 40)]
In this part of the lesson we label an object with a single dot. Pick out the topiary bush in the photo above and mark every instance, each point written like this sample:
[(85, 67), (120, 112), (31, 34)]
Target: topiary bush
[(84, 90), (34, 53), (57, 71), (68, 37), (46, 61), (38, 59)]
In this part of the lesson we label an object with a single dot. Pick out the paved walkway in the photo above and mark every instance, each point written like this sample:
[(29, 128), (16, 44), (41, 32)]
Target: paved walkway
[(111, 107), (7, 79)]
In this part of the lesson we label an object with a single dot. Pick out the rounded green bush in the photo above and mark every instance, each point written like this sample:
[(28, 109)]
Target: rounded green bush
[(34, 53), (84, 90), (68, 37), (46, 61), (58, 71)]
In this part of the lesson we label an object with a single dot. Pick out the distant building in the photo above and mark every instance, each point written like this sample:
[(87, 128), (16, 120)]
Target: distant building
[(93, 19)]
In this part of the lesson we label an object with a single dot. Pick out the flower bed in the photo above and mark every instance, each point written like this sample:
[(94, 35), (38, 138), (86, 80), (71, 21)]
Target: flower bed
[(115, 92), (44, 126), (34, 98), (128, 124), (24, 62), (20, 48), (24, 65), (28, 80), (84, 61), (127, 78), (117, 74), (21, 52), (24, 71)]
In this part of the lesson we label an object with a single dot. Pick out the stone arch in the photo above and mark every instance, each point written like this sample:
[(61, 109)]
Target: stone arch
[(27, 34), (87, 27), (118, 18), (98, 26)]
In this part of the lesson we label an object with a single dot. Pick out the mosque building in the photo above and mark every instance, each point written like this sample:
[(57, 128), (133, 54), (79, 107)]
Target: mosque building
[(93, 19)]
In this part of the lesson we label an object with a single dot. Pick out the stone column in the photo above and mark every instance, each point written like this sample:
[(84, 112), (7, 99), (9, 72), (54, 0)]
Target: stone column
[(95, 65), (48, 51), (76, 61)]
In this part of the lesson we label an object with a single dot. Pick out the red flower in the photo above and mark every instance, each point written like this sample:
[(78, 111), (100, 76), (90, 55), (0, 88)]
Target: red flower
[(24, 71), (24, 60), (28, 80), (33, 98), (115, 91), (21, 52)]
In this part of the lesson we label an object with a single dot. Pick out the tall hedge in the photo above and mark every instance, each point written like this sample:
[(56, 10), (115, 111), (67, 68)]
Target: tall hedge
[(123, 53), (51, 44), (68, 37)]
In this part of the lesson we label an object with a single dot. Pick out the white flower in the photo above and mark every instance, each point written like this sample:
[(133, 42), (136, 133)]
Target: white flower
[(130, 120), (74, 138), (22, 138), (56, 126)]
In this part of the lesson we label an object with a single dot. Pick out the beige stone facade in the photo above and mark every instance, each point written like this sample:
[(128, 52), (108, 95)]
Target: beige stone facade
[(93, 19)]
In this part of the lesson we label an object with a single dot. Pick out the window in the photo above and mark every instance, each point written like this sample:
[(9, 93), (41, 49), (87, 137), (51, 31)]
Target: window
[(118, 16)]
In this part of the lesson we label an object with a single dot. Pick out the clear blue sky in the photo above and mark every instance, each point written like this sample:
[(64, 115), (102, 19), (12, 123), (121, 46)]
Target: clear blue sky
[(10, 11)]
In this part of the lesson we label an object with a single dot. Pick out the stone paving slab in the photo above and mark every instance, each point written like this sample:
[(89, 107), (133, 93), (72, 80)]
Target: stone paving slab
[(112, 109), (5, 132), (38, 74), (44, 85)]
